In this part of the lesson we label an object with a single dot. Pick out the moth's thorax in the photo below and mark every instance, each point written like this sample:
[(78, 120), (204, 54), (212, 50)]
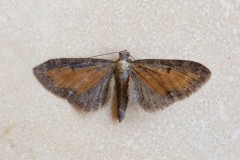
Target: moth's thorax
[(122, 63), (122, 66)]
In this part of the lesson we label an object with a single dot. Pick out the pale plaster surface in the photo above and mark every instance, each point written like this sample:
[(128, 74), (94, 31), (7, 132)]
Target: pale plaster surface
[(35, 124)]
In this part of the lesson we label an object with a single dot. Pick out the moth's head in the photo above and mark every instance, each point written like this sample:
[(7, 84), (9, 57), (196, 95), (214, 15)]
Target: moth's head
[(123, 55)]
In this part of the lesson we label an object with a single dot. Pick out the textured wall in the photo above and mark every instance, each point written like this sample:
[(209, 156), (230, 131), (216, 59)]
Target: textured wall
[(35, 124)]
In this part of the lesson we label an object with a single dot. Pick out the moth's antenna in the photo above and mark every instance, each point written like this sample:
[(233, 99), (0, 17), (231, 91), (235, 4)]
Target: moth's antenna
[(103, 54), (132, 57)]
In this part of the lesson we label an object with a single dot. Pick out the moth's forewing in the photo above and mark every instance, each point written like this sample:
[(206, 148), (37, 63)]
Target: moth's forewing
[(159, 83), (80, 79), (83, 82)]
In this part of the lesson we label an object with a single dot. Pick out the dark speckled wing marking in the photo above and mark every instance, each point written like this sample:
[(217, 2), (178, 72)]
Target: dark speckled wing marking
[(82, 81), (158, 83)]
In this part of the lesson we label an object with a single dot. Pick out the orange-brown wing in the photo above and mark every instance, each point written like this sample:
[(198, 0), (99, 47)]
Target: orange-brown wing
[(158, 83), (82, 81)]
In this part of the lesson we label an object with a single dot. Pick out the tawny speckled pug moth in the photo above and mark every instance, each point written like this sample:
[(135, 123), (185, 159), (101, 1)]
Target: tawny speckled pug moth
[(156, 82)]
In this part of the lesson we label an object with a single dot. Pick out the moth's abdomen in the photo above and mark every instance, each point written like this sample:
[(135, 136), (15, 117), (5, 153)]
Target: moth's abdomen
[(122, 77)]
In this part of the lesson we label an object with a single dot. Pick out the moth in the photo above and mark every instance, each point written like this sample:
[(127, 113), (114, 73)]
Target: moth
[(157, 83)]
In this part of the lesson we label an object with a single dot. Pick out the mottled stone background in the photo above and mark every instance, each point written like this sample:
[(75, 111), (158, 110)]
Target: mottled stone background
[(35, 124)]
